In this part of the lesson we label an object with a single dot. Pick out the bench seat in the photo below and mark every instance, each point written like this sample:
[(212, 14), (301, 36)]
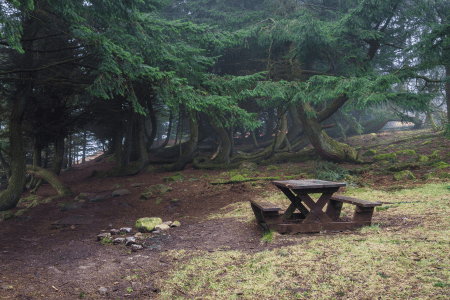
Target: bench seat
[(355, 201), (264, 205)]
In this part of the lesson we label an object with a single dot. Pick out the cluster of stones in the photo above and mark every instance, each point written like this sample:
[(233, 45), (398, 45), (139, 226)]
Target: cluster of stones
[(153, 225)]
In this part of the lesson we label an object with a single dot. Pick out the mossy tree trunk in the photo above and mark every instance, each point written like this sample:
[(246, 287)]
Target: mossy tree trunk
[(296, 127), (325, 146), (189, 150), (430, 120), (51, 178), (225, 145), (10, 197)]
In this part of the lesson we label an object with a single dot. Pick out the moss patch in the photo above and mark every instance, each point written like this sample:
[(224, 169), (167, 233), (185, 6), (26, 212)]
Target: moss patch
[(404, 175)]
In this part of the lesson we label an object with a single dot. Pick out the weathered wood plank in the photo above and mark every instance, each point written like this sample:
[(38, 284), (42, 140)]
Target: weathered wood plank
[(355, 201), (265, 205), (307, 184)]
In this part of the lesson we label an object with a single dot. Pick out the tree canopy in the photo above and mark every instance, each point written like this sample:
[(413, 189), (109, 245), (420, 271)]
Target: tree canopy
[(285, 72)]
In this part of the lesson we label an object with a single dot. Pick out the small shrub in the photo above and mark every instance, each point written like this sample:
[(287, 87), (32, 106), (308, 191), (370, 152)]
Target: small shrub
[(329, 171)]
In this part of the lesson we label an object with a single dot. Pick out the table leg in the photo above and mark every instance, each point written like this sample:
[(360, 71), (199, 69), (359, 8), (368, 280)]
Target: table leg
[(296, 203), (334, 209), (316, 207), (363, 215)]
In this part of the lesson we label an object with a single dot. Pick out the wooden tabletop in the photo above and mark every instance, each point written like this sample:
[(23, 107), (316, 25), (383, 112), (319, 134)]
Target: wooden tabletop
[(307, 184)]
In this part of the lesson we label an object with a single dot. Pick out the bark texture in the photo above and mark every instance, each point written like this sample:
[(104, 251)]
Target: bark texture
[(325, 146), (51, 178)]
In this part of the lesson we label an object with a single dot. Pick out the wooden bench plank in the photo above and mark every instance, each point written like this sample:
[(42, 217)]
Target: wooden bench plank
[(355, 201), (264, 205)]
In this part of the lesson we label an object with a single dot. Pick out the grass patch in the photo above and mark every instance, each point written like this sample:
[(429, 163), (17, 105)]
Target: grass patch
[(384, 261)]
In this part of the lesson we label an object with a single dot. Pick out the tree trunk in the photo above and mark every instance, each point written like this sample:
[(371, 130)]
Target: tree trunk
[(37, 161), (447, 92), (143, 161), (128, 136), (46, 157), (70, 150), (325, 146), (51, 178), (169, 130), (225, 145), (269, 124), (430, 120), (154, 120), (296, 126), (186, 157), (6, 166), (83, 159), (231, 137), (58, 156), (10, 197)]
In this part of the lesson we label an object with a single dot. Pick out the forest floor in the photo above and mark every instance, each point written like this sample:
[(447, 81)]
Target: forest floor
[(219, 251)]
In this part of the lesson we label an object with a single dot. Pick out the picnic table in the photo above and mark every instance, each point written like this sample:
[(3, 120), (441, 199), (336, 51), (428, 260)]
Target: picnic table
[(307, 215)]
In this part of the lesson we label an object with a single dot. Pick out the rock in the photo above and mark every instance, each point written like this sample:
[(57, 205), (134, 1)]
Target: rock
[(159, 189), (156, 231), (72, 206), (370, 153), (125, 229), (138, 234), (146, 194), (121, 192), (116, 186), (162, 227), (422, 159), (118, 241), (427, 176), (102, 290), (114, 231), (136, 247), (101, 236), (168, 223), (97, 198), (178, 176), (401, 167), (149, 168), (130, 240), (390, 156), (175, 224), (147, 224), (404, 175)]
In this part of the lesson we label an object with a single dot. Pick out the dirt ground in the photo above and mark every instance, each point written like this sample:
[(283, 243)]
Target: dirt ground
[(41, 260)]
